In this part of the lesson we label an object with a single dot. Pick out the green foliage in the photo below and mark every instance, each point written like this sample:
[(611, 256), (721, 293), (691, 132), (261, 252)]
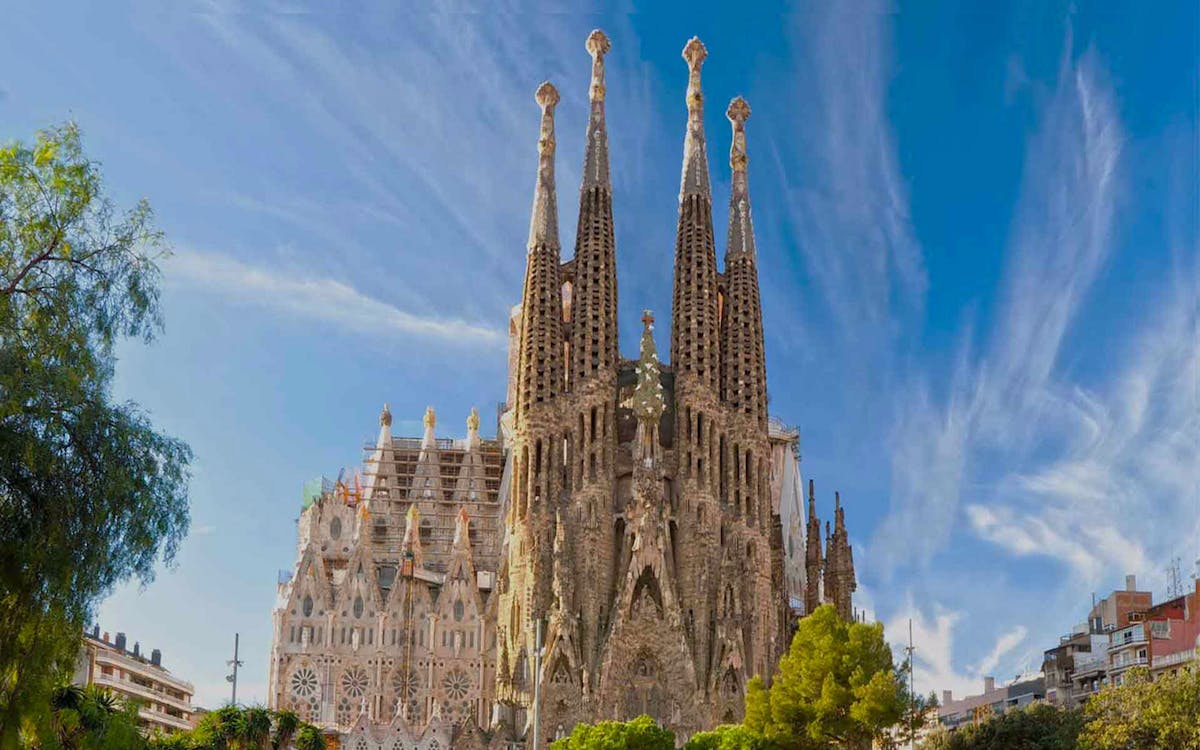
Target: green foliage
[(641, 733), (727, 737), (1039, 727), (835, 687), (90, 494), (1144, 714), (88, 718), (253, 728)]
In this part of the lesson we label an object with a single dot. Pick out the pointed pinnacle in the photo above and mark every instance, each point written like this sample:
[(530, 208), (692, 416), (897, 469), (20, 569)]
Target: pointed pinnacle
[(543, 224), (597, 46), (385, 416)]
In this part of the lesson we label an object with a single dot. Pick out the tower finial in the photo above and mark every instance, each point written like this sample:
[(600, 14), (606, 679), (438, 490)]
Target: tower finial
[(595, 154), (543, 224), (598, 46), (385, 417), (695, 160), (741, 227)]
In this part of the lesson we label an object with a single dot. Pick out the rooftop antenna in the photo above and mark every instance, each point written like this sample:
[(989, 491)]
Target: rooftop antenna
[(1175, 587), (912, 694), (235, 663)]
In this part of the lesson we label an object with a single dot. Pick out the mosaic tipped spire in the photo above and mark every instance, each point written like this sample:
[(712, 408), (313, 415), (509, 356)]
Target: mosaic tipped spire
[(543, 223), (595, 155), (741, 227), (694, 180)]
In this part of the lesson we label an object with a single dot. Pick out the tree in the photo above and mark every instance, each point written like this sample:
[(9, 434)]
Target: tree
[(1145, 714), (90, 494), (1039, 727), (641, 733), (89, 718), (252, 728), (835, 687), (727, 737)]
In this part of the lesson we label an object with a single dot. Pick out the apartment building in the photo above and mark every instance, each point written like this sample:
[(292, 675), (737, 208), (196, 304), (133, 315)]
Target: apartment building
[(993, 701), (164, 700)]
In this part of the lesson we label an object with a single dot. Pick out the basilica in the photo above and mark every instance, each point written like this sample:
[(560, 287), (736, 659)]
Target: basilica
[(633, 539)]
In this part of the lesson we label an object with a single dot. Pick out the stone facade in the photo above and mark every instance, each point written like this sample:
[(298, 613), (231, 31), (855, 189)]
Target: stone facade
[(639, 522)]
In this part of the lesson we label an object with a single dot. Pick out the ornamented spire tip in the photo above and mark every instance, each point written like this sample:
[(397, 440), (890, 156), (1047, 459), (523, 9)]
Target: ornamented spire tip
[(739, 111), (598, 44), (694, 52), (547, 96), (385, 417)]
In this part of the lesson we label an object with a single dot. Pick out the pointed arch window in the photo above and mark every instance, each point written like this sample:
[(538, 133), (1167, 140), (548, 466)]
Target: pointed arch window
[(307, 606), (358, 606), (335, 528), (459, 610)]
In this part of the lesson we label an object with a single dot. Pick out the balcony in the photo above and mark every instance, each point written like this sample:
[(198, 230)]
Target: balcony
[(1129, 661), (1126, 638), (129, 687), (1178, 657)]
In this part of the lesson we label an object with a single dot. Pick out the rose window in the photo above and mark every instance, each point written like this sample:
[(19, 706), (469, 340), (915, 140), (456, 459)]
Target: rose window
[(355, 682), (457, 684), (404, 684), (304, 682)]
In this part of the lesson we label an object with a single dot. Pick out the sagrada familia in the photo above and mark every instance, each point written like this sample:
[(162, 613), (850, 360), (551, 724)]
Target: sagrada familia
[(631, 542)]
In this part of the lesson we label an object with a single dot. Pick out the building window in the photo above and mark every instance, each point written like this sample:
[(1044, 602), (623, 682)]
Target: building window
[(458, 610), (335, 528), (308, 606), (358, 606)]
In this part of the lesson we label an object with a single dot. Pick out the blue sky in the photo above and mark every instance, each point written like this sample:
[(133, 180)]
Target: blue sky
[(977, 242)]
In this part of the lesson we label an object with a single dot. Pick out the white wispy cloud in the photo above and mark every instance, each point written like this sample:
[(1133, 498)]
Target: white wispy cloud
[(850, 210), (321, 299), (1008, 402)]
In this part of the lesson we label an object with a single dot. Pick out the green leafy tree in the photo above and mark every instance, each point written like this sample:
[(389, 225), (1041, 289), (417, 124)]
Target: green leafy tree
[(252, 728), (641, 733), (90, 494), (88, 718), (727, 737), (1039, 727), (837, 686), (1141, 713)]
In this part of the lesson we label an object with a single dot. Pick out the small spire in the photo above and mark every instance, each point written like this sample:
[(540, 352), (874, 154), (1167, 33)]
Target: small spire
[(543, 224), (595, 154), (694, 180), (430, 419), (647, 402), (741, 228), (473, 429), (837, 501), (385, 417)]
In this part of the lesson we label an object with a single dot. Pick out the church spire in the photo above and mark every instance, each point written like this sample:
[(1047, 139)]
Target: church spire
[(694, 326), (694, 180), (812, 556), (539, 377), (543, 224), (595, 156), (741, 230), (744, 372), (593, 349)]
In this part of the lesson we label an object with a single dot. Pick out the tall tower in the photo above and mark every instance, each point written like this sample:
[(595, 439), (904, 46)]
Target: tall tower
[(744, 371), (537, 444), (592, 380), (694, 353), (694, 334)]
